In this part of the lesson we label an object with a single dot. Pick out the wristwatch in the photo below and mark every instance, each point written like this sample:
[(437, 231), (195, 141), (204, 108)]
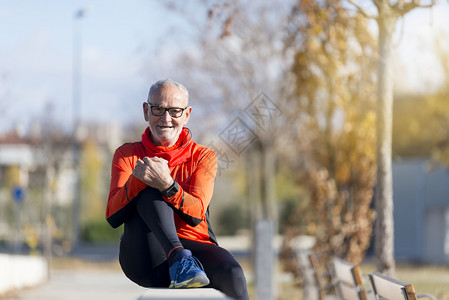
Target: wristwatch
[(171, 191)]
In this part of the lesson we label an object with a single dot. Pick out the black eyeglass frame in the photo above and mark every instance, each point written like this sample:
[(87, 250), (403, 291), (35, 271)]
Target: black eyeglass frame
[(167, 109)]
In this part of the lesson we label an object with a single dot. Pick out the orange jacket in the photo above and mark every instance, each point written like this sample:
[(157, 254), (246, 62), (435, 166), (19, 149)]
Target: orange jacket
[(191, 165)]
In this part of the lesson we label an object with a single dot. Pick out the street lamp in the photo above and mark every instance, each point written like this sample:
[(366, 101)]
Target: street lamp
[(77, 127), (77, 67)]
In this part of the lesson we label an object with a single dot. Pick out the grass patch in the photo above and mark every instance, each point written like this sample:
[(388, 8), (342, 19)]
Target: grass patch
[(73, 263), (430, 279)]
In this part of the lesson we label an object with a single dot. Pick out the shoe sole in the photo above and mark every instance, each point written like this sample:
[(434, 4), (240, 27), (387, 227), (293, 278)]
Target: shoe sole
[(196, 282)]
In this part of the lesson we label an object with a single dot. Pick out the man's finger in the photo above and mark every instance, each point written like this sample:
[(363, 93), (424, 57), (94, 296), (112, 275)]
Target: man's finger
[(146, 159), (156, 158), (140, 162)]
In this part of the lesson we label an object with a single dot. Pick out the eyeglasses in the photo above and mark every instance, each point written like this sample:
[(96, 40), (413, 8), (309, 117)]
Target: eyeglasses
[(174, 112)]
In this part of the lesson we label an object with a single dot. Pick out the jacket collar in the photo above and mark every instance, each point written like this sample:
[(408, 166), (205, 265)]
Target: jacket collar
[(177, 154)]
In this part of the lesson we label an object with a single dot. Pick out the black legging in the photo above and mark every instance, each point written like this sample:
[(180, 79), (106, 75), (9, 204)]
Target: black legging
[(150, 235)]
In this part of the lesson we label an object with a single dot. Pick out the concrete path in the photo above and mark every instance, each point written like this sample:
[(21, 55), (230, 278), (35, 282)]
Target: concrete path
[(101, 284), (83, 285)]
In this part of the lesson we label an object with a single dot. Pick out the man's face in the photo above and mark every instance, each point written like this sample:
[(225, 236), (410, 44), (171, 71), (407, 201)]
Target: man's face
[(165, 129)]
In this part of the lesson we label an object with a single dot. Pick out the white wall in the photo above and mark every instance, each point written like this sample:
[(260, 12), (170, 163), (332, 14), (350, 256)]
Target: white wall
[(19, 271)]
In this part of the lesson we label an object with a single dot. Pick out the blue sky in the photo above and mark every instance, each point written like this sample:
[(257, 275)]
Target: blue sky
[(417, 68), (36, 57), (118, 39)]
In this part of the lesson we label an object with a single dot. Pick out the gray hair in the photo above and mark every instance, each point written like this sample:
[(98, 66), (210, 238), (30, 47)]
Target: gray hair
[(160, 83)]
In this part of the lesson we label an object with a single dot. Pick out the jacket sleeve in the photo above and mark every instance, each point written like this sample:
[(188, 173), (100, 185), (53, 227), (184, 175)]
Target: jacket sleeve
[(193, 198), (124, 187)]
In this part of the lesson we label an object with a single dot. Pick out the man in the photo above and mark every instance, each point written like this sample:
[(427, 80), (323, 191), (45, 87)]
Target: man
[(160, 189)]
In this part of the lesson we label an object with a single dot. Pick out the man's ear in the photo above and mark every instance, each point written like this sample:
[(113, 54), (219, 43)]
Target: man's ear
[(146, 108), (187, 112)]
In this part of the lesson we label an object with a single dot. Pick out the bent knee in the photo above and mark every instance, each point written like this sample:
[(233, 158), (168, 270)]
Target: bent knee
[(233, 274), (231, 281)]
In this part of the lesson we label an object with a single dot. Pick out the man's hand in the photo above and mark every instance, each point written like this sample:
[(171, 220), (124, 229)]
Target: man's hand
[(154, 172)]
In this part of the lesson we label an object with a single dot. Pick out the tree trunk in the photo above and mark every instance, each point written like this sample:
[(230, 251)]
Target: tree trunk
[(384, 243)]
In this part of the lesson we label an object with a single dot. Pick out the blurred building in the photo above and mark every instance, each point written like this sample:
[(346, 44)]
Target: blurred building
[(421, 211), (39, 173), (16, 159)]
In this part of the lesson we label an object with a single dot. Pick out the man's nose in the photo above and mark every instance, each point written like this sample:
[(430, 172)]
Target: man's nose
[(166, 116)]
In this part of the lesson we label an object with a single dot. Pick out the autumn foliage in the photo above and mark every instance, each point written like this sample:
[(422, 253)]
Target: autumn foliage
[(334, 71)]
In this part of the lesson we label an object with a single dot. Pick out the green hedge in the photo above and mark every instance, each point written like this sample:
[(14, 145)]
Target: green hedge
[(99, 231)]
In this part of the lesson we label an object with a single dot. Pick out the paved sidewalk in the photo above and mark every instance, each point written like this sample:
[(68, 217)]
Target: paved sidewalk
[(98, 284), (83, 285)]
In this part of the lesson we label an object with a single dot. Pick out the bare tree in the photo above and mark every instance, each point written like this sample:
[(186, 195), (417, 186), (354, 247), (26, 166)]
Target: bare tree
[(238, 56), (388, 14), (5, 93), (52, 153)]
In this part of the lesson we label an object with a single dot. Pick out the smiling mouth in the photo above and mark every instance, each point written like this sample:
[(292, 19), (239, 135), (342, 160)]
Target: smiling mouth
[(165, 127)]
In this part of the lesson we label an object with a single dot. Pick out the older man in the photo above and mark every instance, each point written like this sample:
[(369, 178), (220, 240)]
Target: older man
[(160, 189)]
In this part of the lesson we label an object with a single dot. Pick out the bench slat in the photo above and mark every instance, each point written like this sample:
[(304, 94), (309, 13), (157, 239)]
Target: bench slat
[(390, 288), (184, 294)]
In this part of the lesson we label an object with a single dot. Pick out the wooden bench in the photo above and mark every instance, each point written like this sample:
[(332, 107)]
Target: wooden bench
[(392, 289), (184, 294), (317, 282), (341, 280), (348, 280)]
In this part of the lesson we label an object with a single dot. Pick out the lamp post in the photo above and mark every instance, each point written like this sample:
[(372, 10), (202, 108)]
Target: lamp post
[(76, 67), (76, 98)]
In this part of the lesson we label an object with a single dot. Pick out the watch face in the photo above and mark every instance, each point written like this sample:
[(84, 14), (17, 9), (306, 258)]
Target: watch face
[(171, 191)]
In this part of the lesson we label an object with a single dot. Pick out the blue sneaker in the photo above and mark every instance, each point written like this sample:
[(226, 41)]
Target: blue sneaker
[(187, 271)]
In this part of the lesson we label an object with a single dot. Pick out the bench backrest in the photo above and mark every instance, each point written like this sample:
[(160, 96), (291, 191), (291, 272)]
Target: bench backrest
[(348, 280), (388, 288), (312, 274)]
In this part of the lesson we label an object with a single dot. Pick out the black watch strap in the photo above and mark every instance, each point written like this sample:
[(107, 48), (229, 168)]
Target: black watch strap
[(171, 191)]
